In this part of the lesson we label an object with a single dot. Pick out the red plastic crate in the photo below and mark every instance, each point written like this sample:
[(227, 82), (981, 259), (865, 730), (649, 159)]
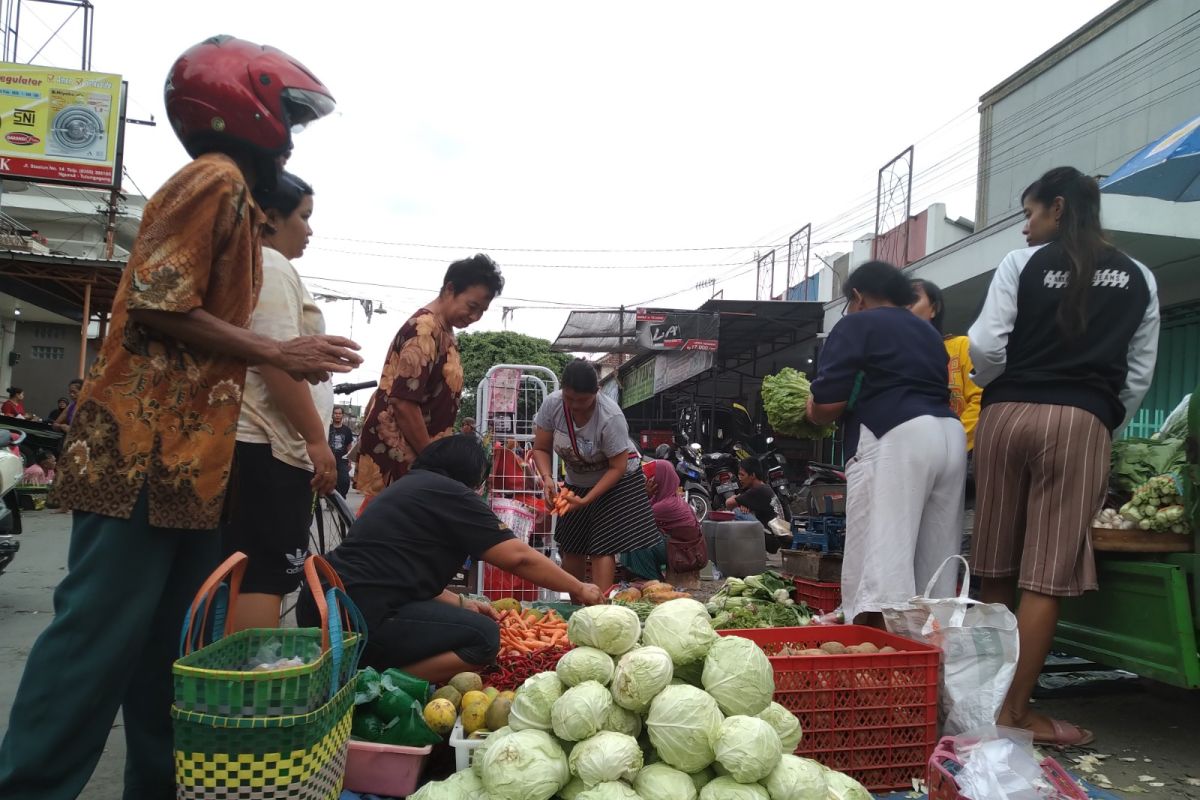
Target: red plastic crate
[(822, 597), (498, 584), (872, 716)]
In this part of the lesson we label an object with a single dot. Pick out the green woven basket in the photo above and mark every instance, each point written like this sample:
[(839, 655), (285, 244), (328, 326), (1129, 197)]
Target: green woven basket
[(301, 757), (215, 679)]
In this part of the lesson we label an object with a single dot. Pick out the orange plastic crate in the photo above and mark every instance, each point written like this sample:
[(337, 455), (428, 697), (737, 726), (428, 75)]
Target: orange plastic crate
[(872, 716), (823, 597)]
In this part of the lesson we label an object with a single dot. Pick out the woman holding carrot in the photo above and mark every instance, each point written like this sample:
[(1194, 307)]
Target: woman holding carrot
[(403, 551), (604, 509)]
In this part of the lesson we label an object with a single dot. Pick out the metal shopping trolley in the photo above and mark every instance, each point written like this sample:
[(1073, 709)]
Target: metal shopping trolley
[(508, 398)]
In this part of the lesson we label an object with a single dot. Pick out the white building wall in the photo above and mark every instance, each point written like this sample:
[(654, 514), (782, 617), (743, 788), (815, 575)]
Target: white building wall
[(1092, 102)]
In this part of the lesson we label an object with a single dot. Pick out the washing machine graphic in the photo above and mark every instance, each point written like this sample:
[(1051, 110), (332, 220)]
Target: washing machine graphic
[(78, 126)]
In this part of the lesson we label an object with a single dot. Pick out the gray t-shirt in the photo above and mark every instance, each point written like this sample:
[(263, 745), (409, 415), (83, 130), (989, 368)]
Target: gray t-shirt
[(605, 435)]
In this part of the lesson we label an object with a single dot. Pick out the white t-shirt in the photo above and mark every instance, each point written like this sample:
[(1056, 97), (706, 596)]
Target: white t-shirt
[(285, 310), (605, 435)]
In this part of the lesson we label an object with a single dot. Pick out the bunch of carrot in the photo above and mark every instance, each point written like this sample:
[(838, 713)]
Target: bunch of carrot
[(561, 504), (524, 632)]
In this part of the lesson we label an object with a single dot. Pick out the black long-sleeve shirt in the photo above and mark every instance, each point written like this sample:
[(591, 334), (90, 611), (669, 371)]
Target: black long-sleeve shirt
[(1021, 355)]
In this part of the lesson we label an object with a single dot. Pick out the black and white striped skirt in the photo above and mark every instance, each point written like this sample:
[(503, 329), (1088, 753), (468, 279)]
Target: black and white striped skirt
[(618, 522)]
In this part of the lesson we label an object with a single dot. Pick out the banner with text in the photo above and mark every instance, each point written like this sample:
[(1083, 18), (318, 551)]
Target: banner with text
[(665, 329), (59, 125)]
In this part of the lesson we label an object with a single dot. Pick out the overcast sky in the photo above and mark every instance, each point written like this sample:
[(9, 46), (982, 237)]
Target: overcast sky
[(548, 127)]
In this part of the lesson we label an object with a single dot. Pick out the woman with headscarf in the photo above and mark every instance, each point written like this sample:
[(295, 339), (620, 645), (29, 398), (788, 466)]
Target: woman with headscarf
[(676, 522)]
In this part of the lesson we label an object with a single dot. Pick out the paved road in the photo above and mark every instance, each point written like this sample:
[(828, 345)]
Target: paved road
[(1137, 722)]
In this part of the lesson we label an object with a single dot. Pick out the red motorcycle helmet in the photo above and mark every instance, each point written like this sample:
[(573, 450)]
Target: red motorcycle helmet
[(227, 91)]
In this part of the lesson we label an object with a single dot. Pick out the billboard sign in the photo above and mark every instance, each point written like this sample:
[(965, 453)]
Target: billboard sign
[(59, 125), (661, 329)]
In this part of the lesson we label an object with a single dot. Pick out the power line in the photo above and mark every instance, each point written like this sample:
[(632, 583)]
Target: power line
[(434, 290)]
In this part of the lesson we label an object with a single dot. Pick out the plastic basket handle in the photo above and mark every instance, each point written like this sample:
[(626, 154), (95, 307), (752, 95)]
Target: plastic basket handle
[(338, 599), (316, 568), (214, 593)]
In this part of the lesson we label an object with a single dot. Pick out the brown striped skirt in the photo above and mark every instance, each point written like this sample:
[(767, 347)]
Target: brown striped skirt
[(619, 522), (1041, 474)]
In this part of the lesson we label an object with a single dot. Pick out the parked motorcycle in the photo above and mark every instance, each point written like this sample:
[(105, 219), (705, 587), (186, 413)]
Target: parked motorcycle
[(818, 474), (691, 475), (12, 467)]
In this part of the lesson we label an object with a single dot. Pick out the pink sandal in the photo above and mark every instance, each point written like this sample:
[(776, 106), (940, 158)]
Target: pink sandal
[(1065, 735)]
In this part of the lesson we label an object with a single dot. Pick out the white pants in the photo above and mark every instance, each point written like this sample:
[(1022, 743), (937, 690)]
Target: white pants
[(904, 513)]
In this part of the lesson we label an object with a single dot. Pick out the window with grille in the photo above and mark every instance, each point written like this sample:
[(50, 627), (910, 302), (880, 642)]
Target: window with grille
[(46, 353)]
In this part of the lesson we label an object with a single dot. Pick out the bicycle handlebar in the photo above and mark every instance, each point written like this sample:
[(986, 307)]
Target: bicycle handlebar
[(351, 388)]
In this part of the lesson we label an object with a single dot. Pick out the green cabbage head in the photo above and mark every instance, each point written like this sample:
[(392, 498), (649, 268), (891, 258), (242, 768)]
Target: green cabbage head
[(681, 627), (640, 675), (738, 676), (581, 711), (534, 702), (585, 664), (727, 788), (525, 765), (607, 756), (613, 629), (785, 724), (664, 782), (683, 724), (797, 779), (609, 790), (748, 748)]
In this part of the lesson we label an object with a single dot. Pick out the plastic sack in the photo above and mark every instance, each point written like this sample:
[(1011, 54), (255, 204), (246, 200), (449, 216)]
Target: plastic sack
[(408, 727), (399, 679), (979, 650)]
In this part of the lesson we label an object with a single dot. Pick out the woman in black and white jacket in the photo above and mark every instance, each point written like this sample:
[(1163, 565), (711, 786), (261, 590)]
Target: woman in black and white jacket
[(1064, 349)]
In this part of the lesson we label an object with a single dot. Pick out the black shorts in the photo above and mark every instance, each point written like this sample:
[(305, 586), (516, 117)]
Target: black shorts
[(416, 631), (268, 511)]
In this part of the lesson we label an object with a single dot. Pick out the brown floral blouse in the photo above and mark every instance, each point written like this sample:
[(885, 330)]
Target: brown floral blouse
[(423, 367), (154, 413)]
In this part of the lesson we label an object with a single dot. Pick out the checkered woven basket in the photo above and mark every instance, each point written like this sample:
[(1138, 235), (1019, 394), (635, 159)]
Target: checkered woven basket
[(214, 678), (263, 758)]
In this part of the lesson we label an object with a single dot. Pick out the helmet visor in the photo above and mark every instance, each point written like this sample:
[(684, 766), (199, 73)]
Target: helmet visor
[(303, 106)]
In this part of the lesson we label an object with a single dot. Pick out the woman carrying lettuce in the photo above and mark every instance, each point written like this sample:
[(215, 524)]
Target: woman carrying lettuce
[(883, 373)]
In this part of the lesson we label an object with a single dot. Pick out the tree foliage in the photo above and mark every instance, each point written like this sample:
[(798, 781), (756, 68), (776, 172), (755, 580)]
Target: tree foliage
[(484, 350)]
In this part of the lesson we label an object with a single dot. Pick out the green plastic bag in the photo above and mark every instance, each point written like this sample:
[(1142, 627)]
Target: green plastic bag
[(399, 679), (408, 729), (367, 688)]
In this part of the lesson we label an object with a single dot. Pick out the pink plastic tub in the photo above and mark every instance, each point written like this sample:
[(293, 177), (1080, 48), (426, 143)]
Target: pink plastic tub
[(385, 769)]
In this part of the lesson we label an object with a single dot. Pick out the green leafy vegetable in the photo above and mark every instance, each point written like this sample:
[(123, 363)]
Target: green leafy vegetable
[(785, 398)]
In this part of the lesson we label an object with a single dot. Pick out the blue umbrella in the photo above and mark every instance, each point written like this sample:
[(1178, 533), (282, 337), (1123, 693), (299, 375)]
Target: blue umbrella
[(1168, 169)]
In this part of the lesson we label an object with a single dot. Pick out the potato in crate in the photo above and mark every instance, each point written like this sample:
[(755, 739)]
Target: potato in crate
[(866, 700)]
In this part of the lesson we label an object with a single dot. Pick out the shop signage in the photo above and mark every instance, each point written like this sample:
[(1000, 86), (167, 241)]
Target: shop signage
[(665, 329), (59, 125), (638, 385)]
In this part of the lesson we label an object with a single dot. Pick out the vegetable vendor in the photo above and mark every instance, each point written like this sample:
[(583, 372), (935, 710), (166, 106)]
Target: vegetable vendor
[(1064, 349), (610, 512), (403, 551), (757, 501), (883, 371), (676, 522)]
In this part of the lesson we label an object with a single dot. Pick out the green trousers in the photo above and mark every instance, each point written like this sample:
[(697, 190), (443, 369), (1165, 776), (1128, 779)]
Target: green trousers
[(118, 615)]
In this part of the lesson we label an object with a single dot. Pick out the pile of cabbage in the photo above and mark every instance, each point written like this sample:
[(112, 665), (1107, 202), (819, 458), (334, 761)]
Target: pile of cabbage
[(667, 710)]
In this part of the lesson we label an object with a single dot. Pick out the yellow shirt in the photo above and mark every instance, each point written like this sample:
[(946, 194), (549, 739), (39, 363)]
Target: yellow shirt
[(964, 394)]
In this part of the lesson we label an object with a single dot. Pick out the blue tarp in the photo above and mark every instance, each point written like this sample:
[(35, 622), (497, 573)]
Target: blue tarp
[(1168, 169)]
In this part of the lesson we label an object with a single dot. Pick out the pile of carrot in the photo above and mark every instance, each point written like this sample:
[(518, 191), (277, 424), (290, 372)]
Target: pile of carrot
[(561, 506), (523, 632)]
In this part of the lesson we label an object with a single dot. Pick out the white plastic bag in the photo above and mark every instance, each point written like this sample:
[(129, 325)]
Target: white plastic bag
[(979, 650)]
